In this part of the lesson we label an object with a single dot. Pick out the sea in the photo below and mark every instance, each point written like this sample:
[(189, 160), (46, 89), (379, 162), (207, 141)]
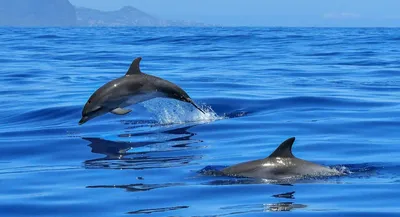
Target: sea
[(337, 90)]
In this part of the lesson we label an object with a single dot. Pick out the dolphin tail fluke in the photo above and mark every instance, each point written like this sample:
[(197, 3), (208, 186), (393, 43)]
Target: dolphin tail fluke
[(196, 106)]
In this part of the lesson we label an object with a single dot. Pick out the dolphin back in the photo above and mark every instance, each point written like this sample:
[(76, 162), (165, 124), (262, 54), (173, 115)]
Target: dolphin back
[(281, 164)]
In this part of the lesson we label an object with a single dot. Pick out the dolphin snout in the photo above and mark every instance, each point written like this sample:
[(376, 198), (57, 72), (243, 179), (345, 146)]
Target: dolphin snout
[(83, 120)]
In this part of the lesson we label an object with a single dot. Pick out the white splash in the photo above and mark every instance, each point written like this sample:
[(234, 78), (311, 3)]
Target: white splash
[(175, 112), (342, 170)]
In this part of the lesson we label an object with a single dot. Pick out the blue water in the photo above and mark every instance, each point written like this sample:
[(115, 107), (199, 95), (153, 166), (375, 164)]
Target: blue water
[(336, 90)]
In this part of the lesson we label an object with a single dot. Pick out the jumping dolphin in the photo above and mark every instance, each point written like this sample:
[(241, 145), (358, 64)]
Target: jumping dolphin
[(132, 88), (280, 165)]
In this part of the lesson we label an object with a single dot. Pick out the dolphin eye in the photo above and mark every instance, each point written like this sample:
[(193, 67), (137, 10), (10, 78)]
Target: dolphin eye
[(89, 102)]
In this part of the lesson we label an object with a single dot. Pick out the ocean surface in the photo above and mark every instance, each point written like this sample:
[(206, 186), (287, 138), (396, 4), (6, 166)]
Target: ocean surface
[(336, 90)]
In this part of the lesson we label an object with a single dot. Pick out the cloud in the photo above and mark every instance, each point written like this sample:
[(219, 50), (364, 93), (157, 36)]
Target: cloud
[(341, 15)]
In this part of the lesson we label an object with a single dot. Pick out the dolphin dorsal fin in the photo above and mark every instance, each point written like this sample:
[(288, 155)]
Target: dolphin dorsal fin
[(284, 149), (134, 68)]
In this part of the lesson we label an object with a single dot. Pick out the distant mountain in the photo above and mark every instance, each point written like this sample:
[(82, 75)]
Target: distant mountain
[(126, 16), (63, 13), (37, 13)]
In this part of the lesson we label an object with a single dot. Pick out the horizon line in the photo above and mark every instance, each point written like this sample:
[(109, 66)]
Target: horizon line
[(205, 26)]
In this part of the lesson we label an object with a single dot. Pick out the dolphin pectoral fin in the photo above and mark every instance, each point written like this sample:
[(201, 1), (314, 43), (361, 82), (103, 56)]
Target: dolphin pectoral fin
[(121, 111)]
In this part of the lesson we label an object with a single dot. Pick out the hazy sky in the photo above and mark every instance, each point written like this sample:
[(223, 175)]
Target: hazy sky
[(265, 12)]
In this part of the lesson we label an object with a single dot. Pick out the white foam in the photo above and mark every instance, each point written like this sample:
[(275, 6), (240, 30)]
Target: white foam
[(342, 170), (174, 112)]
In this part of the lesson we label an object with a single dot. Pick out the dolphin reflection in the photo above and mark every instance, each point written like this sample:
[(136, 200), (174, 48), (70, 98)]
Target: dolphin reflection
[(283, 206), (114, 149), (267, 207), (137, 187), (120, 154)]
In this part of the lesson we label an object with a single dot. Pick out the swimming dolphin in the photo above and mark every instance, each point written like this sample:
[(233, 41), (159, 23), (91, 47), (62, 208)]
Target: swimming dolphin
[(280, 165), (132, 88)]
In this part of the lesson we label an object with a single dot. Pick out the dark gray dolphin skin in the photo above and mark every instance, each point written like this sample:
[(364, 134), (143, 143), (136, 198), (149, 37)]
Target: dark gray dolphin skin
[(132, 88), (280, 165)]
